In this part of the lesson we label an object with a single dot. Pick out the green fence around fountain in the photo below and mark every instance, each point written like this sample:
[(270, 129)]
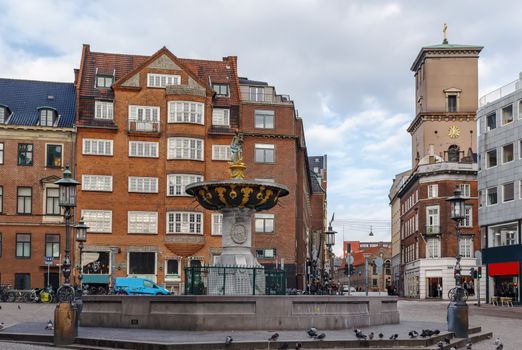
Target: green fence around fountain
[(234, 280)]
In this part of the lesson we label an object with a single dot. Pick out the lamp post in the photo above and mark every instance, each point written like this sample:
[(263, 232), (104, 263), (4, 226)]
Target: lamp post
[(81, 238), (330, 242), (458, 308), (366, 257), (67, 188)]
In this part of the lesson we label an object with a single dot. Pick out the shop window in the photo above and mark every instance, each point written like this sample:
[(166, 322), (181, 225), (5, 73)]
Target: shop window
[(142, 263), (96, 263)]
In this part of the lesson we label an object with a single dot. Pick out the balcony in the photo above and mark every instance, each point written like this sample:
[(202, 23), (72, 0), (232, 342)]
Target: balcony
[(184, 244), (270, 98), (500, 92), (432, 230), (144, 126)]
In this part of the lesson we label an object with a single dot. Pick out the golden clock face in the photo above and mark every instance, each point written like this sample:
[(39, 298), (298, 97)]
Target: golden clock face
[(454, 131)]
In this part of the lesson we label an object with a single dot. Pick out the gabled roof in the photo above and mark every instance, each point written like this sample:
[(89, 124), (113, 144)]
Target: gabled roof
[(121, 65), (25, 97)]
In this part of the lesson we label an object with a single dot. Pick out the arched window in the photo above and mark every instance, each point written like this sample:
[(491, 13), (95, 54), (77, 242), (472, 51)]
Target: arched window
[(47, 117), (453, 153), (387, 267)]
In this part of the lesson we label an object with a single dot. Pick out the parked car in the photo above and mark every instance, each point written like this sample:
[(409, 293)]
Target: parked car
[(345, 289), (136, 285)]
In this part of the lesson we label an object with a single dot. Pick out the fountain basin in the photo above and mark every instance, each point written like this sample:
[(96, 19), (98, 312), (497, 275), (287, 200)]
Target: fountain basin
[(223, 194)]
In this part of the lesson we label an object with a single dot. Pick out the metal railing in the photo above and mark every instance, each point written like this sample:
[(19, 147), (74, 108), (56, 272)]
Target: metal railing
[(432, 230), (265, 98), (143, 126), (500, 92), (234, 280)]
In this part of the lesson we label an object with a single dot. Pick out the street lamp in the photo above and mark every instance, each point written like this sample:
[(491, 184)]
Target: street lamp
[(67, 189), (458, 309), (81, 238), (366, 257), (371, 232), (330, 242)]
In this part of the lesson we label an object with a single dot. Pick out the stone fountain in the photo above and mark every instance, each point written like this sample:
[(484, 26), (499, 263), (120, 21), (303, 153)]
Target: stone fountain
[(237, 199)]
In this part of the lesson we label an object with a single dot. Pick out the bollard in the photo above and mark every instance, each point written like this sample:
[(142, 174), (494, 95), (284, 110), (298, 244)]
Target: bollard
[(65, 324), (458, 322)]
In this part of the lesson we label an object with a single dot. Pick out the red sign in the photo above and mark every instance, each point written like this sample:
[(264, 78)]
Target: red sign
[(511, 268)]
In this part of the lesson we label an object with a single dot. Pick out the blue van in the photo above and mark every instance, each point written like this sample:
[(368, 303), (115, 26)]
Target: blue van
[(136, 285)]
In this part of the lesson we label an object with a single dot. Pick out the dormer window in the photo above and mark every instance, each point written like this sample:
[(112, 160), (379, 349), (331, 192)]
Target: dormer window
[(221, 89), (104, 81), (47, 117)]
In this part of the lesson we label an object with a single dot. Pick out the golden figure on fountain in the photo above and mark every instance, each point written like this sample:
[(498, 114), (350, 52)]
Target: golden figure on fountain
[(236, 166)]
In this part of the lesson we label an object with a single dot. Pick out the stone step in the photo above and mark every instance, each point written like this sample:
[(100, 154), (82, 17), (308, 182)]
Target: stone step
[(475, 337)]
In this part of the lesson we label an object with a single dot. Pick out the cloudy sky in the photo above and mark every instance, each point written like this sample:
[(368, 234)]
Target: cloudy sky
[(345, 63)]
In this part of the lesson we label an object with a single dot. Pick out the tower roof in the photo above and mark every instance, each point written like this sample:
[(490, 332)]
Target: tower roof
[(445, 50)]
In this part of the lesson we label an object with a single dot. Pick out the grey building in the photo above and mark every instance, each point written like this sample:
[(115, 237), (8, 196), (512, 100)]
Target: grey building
[(499, 123)]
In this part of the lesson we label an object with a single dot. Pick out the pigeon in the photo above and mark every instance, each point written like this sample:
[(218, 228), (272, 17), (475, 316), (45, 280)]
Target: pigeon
[(436, 332), (394, 336), (312, 332), (0, 307), (361, 335), (1, 325), (320, 336), (440, 345), (497, 341), (357, 331), (500, 347), (381, 335), (413, 334), (453, 348), (298, 346), (228, 340), (284, 346), (19, 307), (370, 336), (274, 337), (49, 326), (447, 340), (468, 345)]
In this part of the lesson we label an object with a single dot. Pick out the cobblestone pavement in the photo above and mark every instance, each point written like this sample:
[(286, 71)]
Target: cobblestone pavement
[(503, 322)]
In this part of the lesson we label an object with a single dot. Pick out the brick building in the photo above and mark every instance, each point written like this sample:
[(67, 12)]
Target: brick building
[(444, 155), (150, 125), (36, 142)]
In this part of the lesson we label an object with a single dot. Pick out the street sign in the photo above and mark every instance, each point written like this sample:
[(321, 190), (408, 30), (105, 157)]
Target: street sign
[(478, 256), (48, 260), (379, 262), (349, 260)]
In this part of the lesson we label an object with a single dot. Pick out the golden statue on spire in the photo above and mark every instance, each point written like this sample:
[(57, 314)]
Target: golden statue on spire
[(236, 166), (445, 30)]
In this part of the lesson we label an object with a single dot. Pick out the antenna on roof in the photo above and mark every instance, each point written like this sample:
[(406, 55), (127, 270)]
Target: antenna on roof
[(445, 30)]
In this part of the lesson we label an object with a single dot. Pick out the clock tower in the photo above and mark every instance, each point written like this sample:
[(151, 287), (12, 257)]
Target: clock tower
[(446, 95)]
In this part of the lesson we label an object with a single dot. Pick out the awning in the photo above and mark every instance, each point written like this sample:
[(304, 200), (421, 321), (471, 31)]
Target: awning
[(511, 268)]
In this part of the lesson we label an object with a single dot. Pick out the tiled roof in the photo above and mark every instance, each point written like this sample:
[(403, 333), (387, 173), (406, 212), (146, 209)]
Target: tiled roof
[(25, 97), (121, 64)]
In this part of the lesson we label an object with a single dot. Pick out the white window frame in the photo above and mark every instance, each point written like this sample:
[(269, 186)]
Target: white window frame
[(142, 184), (97, 183), (221, 152), (466, 246), (433, 219), (264, 147), (144, 149), (217, 224), (185, 224), (502, 115), (433, 248), (433, 191), (155, 80), (180, 181), (488, 166), (144, 117), (263, 218), (502, 153), (465, 190), (182, 148), (107, 148), (221, 117), (503, 192), (2, 153), (487, 196), (468, 216), (106, 222), (186, 112), (142, 222), (170, 276), (104, 110), (264, 113)]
